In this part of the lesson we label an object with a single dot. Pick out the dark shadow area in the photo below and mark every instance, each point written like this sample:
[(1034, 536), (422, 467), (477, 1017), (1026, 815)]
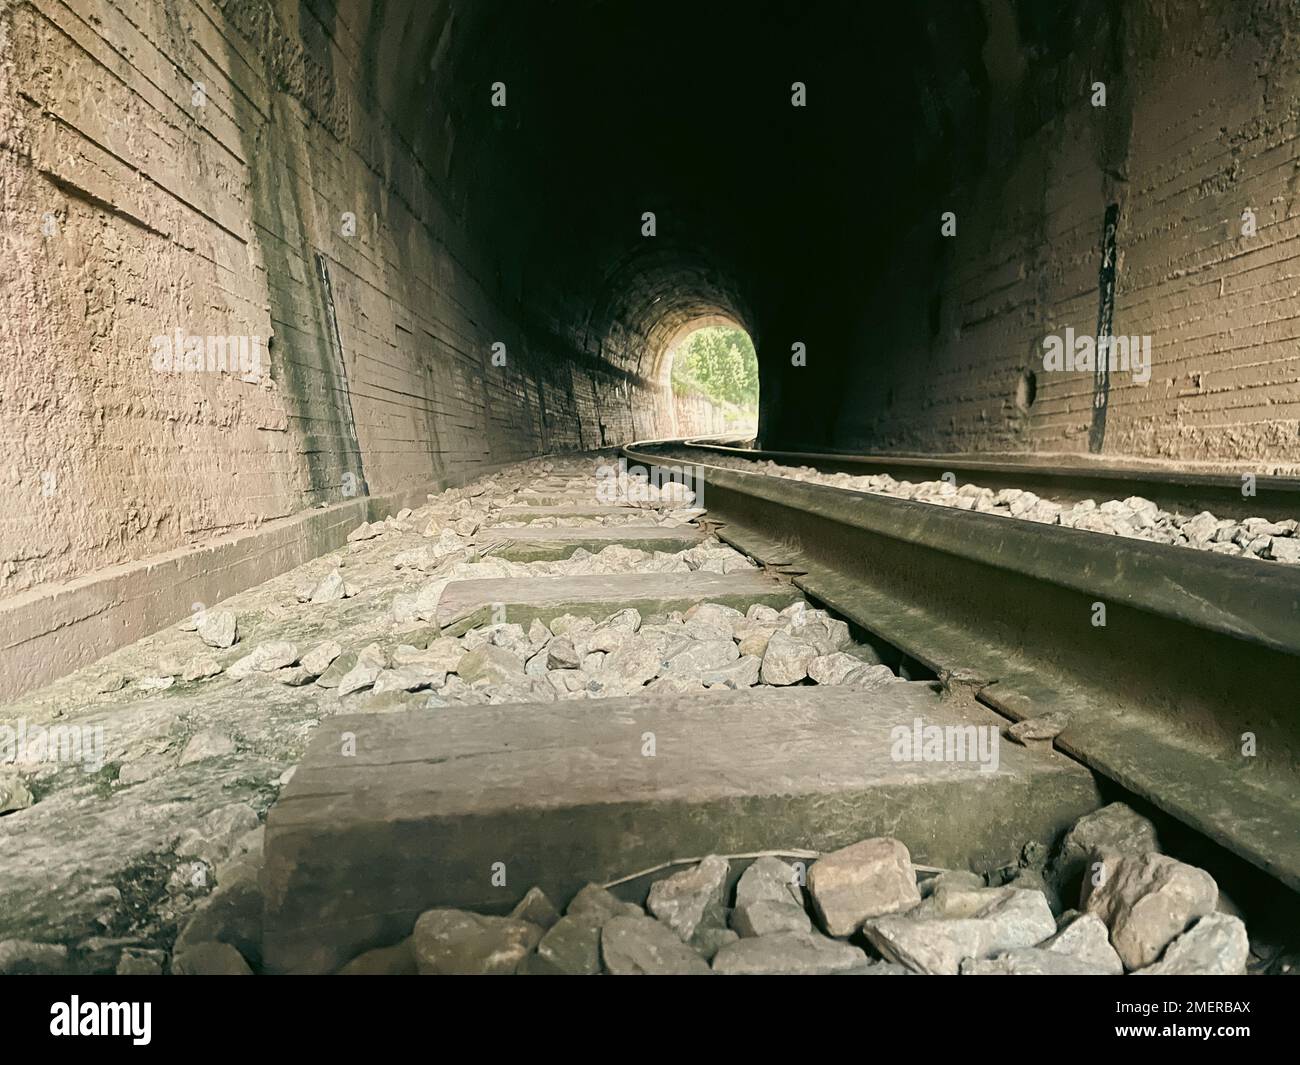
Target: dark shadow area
[(783, 147)]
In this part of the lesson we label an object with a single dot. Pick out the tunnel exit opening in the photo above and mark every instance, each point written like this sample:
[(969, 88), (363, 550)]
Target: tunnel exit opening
[(711, 369)]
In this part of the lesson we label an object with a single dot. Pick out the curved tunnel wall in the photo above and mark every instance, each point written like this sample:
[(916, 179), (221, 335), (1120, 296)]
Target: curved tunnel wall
[(1193, 146), (194, 166), (332, 180)]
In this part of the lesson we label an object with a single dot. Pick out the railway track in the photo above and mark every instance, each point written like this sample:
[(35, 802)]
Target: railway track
[(1225, 494), (532, 691), (1175, 672)]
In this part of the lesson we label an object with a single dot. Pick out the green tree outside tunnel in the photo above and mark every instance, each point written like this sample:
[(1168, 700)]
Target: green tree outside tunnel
[(719, 363)]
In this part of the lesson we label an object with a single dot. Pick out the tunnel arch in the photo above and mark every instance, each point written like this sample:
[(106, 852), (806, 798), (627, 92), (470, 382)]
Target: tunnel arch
[(697, 412), (670, 347)]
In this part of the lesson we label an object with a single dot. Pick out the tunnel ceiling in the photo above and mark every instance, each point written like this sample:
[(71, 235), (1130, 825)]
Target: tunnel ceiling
[(683, 109)]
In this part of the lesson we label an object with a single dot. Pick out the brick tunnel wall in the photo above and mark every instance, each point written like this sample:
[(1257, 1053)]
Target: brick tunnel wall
[(1200, 125), (181, 166)]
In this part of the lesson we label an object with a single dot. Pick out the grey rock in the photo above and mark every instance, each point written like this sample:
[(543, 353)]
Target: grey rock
[(440, 656), (701, 656), (692, 898), (598, 900), (319, 658), (14, 793), (218, 628), (628, 619), (136, 961), (397, 960), (535, 908), (293, 676), (572, 626), (337, 670), (950, 879), (1147, 901), (1030, 878), (708, 941), (1030, 961), (561, 654), (1115, 828), (1284, 549), (110, 682), (370, 662), (457, 942), (816, 628), (1085, 938), (786, 660), (265, 658), (1216, 945), (714, 614), (634, 663), (742, 673), (207, 743), (538, 634), (212, 837), (1200, 528), (523, 691), (642, 946), (866, 879), (832, 668), (767, 917), (768, 879), (490, 665), (938, 946), (200, 667), (572, 945), (698, 629), (422, 604), (330, 589), (405, 679), (506, 634), (680, 685), (788, 953), (953, 897), (868, 677), (754, 638), (607, 638), (567, 681)]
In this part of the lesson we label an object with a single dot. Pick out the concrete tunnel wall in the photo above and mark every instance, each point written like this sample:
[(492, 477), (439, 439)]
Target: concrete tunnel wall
[(196, 160), (194, 164), (938, 346)]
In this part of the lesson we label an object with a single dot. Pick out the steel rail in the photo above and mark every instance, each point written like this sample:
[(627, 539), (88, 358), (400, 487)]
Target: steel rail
[(1188, 694), (1276, 498)]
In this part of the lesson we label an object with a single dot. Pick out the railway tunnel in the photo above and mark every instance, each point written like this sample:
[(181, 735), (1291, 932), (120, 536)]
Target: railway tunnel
[(280, 277)]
